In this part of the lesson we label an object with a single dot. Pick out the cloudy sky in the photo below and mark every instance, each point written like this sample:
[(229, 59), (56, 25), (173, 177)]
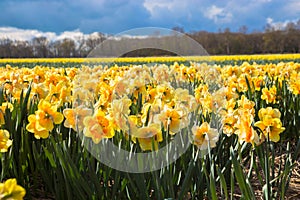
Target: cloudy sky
[(114, 16)]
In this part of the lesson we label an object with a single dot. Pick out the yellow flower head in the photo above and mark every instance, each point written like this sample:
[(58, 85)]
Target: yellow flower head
[(270, 123), (119, 112), (42, 122), (245, 103), (149, 111), (39, 89), (294, 83), (35, 127), (266, 115), (5, 142), (165, 92), (244, 128), (184, 99), (11, 190), (151, 95), (97, 127), (269, 95), (50, 111), (172, 119), (3, 107), (258, 81), (74, 117), (242, 83), (105, 92), (149, 137), (204, 135), (204, 98), (229, 121)]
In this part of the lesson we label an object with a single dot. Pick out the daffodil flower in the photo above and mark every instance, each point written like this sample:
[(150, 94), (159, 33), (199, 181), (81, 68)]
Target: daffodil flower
[(5, 142), (3, 107), (119, 112), (42, 122), (204, 135), (11, 190), (244, 129), (74, 117), (270, 123), (173, 119), (98, 127), (269, 95), (149, 137)]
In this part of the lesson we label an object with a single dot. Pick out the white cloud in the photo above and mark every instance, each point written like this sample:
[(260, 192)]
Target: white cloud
[(23, 35), (279, 25), (151, 5), (16, 34), (218, 14), (269, 20), (13, 33), (174, 8), (75, 35)]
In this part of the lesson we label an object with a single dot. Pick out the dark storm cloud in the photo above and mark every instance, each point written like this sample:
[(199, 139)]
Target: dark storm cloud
[(114, 16)]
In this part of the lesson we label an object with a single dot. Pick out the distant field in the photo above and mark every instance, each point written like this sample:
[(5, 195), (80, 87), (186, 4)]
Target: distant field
[(235, 59)]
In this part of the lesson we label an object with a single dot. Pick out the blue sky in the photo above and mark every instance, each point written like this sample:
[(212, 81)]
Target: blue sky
[(114, 16)]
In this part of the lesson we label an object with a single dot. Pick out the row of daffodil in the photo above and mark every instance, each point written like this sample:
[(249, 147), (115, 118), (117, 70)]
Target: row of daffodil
[(147, 102), (132, 60)]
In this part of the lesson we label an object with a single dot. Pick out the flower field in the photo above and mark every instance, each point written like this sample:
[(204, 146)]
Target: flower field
[(237, 120)]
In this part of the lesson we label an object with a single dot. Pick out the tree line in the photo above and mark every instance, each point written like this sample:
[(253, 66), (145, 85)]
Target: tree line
[(221, 43)]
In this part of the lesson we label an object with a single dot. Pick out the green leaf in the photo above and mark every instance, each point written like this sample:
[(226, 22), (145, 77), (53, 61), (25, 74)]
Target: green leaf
[(50, 157), (243, 183), (222, 182)]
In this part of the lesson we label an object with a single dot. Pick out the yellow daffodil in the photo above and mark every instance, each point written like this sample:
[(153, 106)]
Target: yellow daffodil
[(294, 83), (135, 122), (5, 142), (119, 112), (161, 73), (34, 127), (74, 117), (270, 123), (97, 127), (173, 120), (245, 103), (269, 95), (11, 190), (151, 95), (40, 90), (149, 111), (244, 129), (258, 82), (3, 107), (204, 135), (59, 93), (242, 83), (184, 99), (165, 93), (42, 122), (229, 121), (149, 137), (204, 98), (50, 111), (105, 92), (265, 114)]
